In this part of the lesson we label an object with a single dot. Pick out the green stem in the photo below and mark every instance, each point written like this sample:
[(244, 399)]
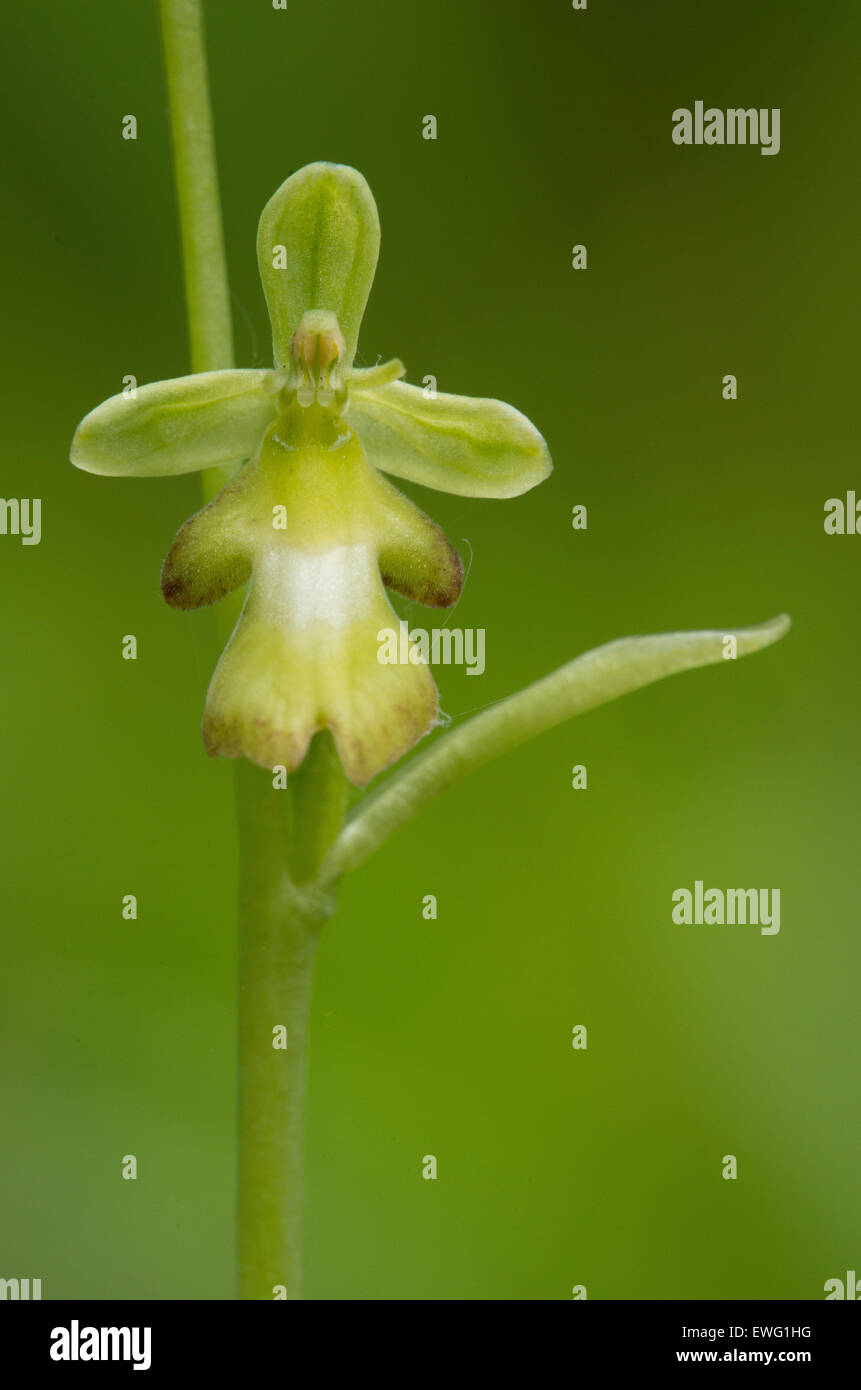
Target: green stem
[(278, 935), (279, 920), (318, 802), (206, 287), (207, 291)]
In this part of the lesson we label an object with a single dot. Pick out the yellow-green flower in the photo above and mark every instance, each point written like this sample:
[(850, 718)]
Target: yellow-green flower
[(308, 519)]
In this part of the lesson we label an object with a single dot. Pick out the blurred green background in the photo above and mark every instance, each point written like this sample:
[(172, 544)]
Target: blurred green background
[(452, 1037)]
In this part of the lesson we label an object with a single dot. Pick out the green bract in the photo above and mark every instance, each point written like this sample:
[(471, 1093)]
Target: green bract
[(308, 519)]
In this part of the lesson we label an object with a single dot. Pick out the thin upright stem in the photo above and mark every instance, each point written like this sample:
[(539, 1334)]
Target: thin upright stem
[(278, 935), (318, 801), (281, 842), (206, 286)]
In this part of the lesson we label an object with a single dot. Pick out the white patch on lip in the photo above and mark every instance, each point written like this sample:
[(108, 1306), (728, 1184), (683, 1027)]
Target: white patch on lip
[(300, 587)]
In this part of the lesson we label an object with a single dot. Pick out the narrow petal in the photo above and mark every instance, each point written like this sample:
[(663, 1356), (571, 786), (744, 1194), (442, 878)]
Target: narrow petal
[(415, 557), (363, 378), (461, 444), (212, 553), (317, 246), (178, 426)]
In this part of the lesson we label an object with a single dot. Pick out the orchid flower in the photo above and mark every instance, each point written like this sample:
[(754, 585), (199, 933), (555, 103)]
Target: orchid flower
[(307, 519)]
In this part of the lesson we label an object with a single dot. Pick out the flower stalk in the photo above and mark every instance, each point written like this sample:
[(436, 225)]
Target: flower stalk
[(278, 926), (205, 263)]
